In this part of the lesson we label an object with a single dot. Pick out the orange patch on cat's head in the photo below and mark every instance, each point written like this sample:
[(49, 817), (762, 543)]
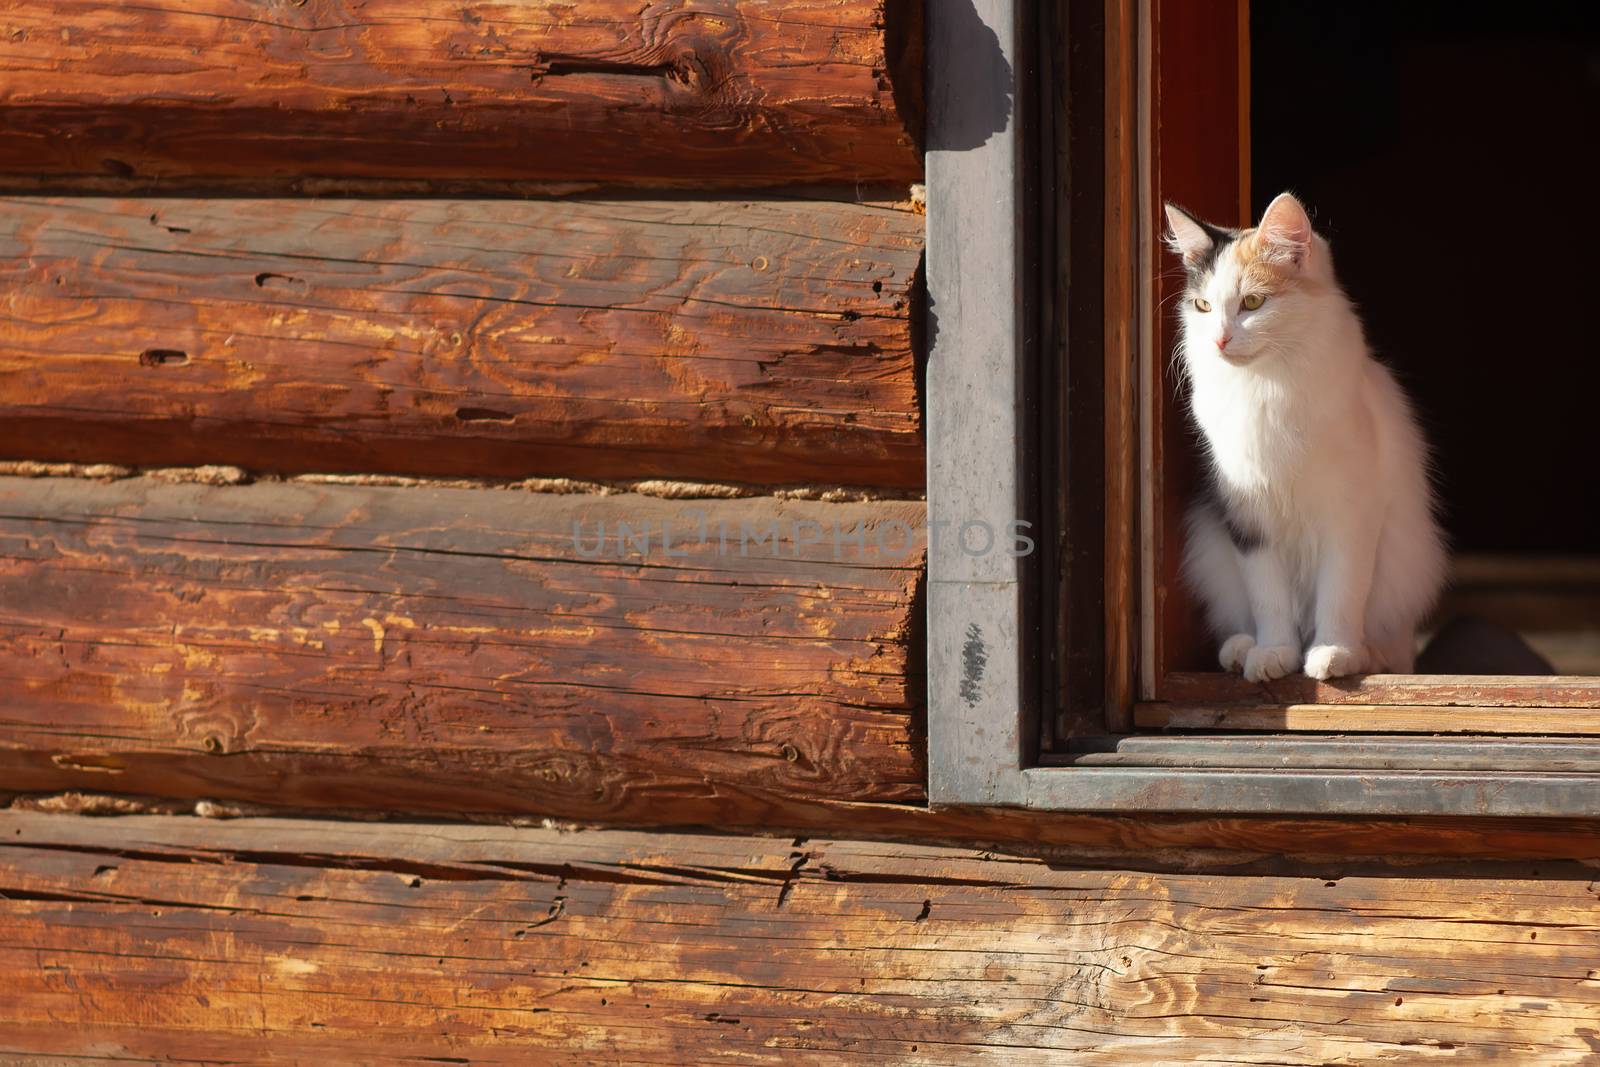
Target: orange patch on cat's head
[(1257, 272)]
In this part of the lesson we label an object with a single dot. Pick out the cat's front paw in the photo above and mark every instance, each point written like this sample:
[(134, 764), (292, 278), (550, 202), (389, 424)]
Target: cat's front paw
[(1266, 662), (1334, 661), (1234, 651)]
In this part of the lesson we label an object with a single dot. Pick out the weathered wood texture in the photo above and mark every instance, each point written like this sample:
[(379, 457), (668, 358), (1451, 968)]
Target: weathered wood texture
[(1443, 690), (455, 649), (713, 91), (1374, 718), (268, 941), (759, 341), (163, 642)]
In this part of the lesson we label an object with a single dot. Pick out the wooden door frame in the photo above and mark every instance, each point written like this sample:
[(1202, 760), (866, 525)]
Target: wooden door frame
[(983, 632), (1194, 158)]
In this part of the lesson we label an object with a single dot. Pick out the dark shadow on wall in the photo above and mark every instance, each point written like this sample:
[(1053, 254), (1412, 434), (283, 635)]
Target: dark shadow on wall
[(969, 99), (969, 82), (904, 46)]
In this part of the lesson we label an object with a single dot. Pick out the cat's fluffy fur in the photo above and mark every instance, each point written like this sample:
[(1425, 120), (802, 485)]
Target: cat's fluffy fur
[(1316, 544)]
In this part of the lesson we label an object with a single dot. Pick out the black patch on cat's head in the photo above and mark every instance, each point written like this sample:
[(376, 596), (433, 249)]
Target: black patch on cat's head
[(1221, 237)]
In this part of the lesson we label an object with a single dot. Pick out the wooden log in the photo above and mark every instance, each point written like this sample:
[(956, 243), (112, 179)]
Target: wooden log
[(613, 91), (766, 341), (275, 941), (468, 650)]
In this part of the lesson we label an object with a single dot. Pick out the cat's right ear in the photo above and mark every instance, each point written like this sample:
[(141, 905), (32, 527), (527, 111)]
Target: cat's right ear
[(1187, 237)]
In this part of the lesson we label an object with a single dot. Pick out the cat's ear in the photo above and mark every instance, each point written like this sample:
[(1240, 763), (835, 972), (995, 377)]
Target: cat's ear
[(1285, 232), (1187, 237)]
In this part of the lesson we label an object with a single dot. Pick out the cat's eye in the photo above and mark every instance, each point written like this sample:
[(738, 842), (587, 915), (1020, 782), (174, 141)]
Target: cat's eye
[(1253, 301), (1202, 304)]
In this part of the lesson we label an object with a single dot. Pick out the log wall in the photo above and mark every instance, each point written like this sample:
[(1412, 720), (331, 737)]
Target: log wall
[(272, 941), (457, 650), (301, 636), (719, 92), (298, 637), (759, 341)]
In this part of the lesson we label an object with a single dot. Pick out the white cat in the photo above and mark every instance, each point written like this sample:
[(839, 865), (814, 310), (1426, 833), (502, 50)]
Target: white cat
[(1316, 544)]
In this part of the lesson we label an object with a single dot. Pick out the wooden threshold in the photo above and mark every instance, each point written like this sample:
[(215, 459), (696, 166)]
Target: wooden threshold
[(1212, 750), (1373, 718), (1444, 690)]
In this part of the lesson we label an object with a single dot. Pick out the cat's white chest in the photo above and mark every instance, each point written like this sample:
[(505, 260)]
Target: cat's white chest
[(1255, 446)]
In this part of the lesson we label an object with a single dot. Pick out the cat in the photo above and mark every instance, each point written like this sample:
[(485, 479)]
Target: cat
[(1316, 544)]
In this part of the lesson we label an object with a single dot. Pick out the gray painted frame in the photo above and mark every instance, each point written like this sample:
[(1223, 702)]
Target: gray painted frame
[(981, 689), (977, 681)]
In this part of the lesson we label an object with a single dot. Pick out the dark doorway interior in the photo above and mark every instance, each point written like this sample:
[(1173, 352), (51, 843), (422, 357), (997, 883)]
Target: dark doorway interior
[(1447, 151)]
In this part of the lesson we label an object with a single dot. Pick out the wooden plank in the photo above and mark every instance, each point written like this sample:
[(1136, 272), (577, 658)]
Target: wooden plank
[(1501, 570), (1161, 838), (1122, 298), (274, 941), (753, 341), (1452, 690), (1539, 754), (613, 91), (1305, 789), (465, 650), (1371, 718)]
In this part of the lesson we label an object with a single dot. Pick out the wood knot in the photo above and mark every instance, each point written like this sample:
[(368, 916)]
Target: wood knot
[(272, 280), (484, 415), (162, 357)]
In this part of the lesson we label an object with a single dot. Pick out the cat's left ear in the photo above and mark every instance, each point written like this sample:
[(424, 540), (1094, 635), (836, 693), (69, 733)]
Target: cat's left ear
[(1285, 232)]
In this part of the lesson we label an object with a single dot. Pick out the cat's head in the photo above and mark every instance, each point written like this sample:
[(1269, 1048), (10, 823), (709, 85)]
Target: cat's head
[(1249, 291)]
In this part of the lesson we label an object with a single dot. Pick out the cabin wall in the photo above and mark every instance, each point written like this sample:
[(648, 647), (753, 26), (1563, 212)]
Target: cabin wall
[(461, 590), (264, 940)]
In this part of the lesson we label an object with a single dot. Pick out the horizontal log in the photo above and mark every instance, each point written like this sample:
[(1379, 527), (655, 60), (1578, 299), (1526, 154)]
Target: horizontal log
[(456, 650), (760, 341), (276, 941), (714, 91)]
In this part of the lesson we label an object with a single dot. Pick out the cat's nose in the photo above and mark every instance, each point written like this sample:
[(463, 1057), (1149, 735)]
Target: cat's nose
[(1222, 341)]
